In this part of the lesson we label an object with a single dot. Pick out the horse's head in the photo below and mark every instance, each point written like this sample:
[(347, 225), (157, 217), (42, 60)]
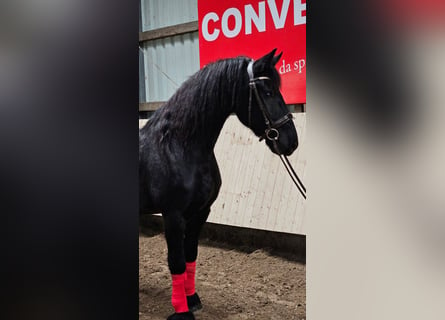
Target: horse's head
[(266, 113)]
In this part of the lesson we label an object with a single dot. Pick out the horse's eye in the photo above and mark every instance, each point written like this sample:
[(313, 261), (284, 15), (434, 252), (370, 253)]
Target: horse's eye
[(269, 93)]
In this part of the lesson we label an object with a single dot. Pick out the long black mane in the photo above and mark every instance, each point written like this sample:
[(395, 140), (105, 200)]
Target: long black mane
[(204, 101), (211, 91)]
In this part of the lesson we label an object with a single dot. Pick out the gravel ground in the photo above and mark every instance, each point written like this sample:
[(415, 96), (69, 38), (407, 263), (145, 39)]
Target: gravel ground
[(232, 283)]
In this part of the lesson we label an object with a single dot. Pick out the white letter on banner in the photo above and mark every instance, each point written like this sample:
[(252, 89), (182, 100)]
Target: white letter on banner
[(298, 10), (259, 20), (279, 20), (225, 22), (205, 26)]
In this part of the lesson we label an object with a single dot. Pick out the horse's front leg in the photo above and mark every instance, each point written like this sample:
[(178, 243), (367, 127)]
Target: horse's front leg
[(193, 228), (174, 226)]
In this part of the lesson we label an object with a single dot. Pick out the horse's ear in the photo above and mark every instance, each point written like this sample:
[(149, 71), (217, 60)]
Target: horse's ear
[(276, 58), (265, 61), (268, 58)]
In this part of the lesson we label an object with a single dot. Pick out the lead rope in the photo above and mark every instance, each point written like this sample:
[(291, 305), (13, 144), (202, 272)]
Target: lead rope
[(290, 170), (294, 178), (250, 105), (294, 173)]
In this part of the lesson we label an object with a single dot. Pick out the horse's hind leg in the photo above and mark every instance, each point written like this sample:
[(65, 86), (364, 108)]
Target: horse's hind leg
[(193, 228), (174, 226)]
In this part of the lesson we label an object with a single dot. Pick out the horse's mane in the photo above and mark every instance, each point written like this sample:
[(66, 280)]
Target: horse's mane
[(204, 99)]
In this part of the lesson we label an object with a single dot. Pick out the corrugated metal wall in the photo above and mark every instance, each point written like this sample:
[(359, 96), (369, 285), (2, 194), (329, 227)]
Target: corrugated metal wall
[(163, 13), (167, 63)]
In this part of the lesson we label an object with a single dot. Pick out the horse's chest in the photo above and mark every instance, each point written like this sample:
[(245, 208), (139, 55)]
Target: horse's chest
[(207, 185)]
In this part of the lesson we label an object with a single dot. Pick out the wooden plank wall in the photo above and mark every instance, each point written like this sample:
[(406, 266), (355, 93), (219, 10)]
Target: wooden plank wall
[(256, 190)]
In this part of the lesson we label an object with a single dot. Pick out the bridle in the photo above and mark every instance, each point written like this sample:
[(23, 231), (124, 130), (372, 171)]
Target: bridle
[(271, 132)]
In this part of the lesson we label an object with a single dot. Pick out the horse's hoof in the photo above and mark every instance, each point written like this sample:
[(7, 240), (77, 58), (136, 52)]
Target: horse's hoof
[(182, 316), (194, 303)]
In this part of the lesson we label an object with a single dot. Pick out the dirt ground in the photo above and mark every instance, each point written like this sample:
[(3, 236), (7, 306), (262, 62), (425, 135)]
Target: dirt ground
[(232, 284)]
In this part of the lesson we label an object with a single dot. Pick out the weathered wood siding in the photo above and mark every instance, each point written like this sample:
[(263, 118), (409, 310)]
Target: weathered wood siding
[(256, 190)]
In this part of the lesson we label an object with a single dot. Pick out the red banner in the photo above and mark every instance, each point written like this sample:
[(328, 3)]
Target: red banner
[(230, 28)]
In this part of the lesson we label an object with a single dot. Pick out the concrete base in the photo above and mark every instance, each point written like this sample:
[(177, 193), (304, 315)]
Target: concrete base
[(286, 245)]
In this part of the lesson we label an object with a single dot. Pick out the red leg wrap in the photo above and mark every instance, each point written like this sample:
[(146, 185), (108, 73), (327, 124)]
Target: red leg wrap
[(190, 269), (179, 299)]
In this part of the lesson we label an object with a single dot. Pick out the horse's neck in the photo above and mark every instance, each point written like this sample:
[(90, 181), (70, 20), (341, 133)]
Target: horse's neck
[(214, 124), (204, 112)]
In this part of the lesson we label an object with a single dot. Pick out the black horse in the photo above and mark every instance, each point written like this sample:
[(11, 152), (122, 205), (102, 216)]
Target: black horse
[(178, 172)]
